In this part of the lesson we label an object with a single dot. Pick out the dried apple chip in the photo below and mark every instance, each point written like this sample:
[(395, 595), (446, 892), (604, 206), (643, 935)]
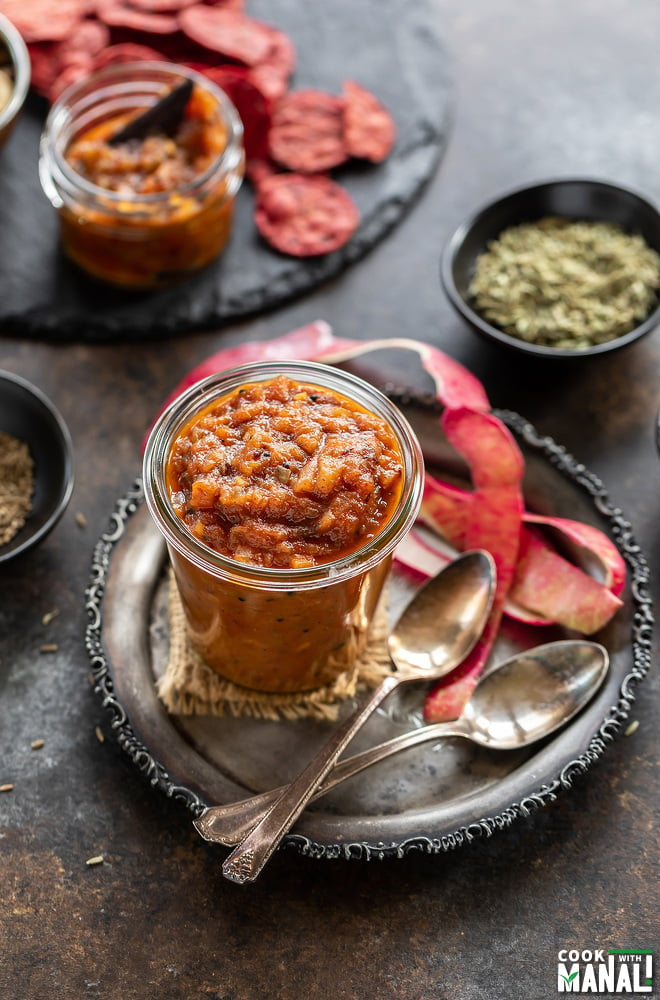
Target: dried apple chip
[(229, 33), (369, 129), (44, 21)]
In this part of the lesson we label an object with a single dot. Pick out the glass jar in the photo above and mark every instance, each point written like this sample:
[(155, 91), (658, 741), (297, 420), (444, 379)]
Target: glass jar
[(127, 238), (272, 629)]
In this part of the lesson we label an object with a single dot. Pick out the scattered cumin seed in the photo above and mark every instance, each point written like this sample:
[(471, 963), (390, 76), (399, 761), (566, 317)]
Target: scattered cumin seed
[(632, 728), (99, 734), (37, 744), (48, 617), (98, 859), (6, 788), (49, 647), (81, 520)]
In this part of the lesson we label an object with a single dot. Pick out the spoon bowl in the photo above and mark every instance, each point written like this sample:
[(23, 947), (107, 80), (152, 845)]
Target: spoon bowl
[(439, 623), (533, 694)]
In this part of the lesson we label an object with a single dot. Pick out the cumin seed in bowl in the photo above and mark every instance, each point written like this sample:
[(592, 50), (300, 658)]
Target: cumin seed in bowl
[(36, 459)]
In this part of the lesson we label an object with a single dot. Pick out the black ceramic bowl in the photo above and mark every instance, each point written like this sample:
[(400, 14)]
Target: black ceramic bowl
[(26, 413), (579, 199)]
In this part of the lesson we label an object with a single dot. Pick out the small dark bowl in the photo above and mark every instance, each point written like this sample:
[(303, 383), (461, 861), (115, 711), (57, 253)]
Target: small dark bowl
[(26, 413), (19, 56), (583, 199)]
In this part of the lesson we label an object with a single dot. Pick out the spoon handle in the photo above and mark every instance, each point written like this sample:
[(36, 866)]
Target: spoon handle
[(247, 860), (229, 824)]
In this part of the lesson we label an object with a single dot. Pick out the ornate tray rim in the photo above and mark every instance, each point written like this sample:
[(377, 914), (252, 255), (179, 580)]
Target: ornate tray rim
[(642, 632)]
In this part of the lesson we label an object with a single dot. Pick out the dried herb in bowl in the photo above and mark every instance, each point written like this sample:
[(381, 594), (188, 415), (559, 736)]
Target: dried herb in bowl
[(566, 284)]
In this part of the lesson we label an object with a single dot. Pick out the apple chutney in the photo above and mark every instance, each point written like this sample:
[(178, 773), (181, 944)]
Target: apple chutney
[(282, 491)]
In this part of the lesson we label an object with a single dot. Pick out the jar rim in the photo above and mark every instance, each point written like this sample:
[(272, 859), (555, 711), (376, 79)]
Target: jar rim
[(132, 75), (20, 60), (197, 396)]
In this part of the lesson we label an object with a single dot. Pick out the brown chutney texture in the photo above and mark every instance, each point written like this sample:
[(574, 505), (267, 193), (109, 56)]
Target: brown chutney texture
[(285, 474), (157, 163)]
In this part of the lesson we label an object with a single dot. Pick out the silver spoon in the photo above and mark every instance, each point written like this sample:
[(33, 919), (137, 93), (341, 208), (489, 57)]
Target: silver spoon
[(433, 635), (516, 704)]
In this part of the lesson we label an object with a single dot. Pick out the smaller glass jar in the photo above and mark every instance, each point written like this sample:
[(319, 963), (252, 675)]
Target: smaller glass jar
[(131, 239), (279, 629)]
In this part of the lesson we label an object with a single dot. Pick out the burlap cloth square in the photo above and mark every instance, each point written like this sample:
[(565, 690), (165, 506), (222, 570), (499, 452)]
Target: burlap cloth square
[(189, 687)]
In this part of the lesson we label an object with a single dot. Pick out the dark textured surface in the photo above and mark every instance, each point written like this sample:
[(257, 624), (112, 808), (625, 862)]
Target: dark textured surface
[(543, 89), (393, 47)]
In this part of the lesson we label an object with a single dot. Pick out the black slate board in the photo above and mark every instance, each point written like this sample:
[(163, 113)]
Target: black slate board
[(393, 47)]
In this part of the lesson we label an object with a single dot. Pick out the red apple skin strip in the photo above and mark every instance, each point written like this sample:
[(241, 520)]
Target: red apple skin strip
[(524, 615), (421, 559), (548, 583), (487, 445), (493, 523), (547, 589), (594, 541), (416, 556), (455, 385), (444, 508), (449, 697)]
